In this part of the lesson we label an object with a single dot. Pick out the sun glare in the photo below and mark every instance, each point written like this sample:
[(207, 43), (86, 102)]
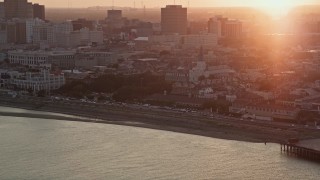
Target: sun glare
[(275, 7)]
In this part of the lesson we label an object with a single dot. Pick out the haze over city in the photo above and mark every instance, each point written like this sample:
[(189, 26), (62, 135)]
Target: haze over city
[(274, 8), (160, 89), (158, 3)]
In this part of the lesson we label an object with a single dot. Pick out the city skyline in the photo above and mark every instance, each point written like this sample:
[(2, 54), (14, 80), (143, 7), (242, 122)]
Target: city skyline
[(190, 3), (274, 8)]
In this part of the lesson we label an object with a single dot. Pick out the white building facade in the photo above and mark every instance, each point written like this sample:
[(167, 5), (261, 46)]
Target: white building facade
[(30, 24), (37, 81), (28, 57)]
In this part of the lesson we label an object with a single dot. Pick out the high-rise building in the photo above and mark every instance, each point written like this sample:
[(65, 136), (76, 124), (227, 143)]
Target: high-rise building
[(30, 23), (215, 26), (2, 13), (39, 11), (43, 33), (233, 28), (21, 37), (114, 15), (16, 9), (82, 23), (114, 19), (11, 32), (3, 32), (224, 27), (29, 10), (174, 20), (22, 9), (64, 27)]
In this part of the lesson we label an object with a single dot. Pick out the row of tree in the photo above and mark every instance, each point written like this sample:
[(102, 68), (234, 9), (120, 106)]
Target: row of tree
[(122, 87)]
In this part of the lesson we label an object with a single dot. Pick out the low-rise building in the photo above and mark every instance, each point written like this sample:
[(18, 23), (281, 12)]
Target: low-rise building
[(186, 41), (264, 111), (37, 81), (28, 57), (62, 59), (178, 75), (90, 59)]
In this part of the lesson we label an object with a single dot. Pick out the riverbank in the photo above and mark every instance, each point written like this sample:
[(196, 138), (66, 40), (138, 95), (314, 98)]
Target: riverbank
[(90, 118), (154, 119)]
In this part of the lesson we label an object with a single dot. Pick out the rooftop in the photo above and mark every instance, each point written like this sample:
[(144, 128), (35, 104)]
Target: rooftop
[(40, 52)]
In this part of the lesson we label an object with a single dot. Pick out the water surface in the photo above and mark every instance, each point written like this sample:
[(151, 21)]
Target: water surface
[(50, 149)]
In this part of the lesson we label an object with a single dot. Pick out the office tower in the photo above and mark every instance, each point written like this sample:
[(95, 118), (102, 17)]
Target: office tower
[(22, 9), (21, 36), (82, 23), (224, 27), (215, 26), (114, 15), (2, 13), (233, 28), (3, 33), (174, 20), (30, 23), (114, 19), (16, 9), (29, 10), (43, 33), (11, 32), (39, 11)]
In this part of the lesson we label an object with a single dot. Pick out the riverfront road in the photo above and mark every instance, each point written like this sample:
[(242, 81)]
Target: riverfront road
[(76, 104), (135, 115)]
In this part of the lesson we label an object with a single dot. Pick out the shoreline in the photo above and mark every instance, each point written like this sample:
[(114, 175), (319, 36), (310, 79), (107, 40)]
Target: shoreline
[(216, 134), (166, 121)]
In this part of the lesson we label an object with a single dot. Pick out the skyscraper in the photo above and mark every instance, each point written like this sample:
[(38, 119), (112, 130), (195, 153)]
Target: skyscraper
[(22, 9), (39, 11), (233, 28), (114, 15), (115, 19), (16, 9), (215, 26), (224, 27), (2, 14), (82, 23), (174, 20)]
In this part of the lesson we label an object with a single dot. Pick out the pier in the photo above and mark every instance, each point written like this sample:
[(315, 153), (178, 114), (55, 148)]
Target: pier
[(308, 149)]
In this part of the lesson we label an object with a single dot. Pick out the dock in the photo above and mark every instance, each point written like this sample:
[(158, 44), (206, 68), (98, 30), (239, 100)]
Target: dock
[(307, 149)]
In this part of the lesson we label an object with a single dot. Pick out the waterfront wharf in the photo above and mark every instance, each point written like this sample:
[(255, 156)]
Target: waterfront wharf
[(307, 149)]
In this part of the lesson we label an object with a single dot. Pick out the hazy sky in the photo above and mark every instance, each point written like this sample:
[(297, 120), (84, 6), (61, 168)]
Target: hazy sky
[(159, 3)]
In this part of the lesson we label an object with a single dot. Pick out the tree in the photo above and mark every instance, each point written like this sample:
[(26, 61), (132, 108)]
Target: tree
[(123, 87), (41, 93), (30, 91), (306, 116)]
